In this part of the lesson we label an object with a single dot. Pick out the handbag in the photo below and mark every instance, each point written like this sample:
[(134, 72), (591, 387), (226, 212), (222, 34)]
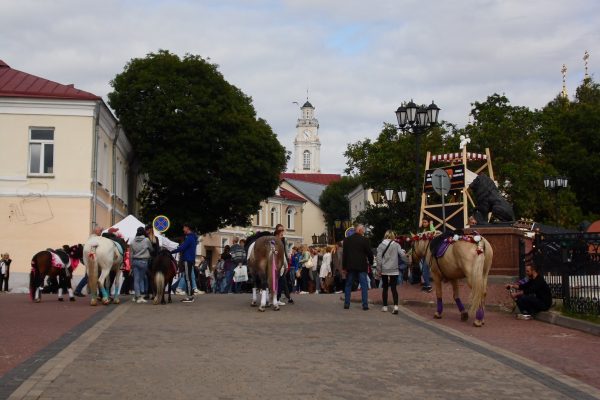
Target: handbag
[(309, 263), (240, 274)]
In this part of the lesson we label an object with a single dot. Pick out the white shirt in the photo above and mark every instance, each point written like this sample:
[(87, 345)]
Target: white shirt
[(325, 265)]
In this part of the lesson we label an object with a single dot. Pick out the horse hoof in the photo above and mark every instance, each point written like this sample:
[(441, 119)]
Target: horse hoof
[(37, 300), (105, 302), (61, 299), (71, 298), (464, 316), (253, 304), (93, 302), (276, 308), (117, 301), (477, 323), (261, 309), (437, 316)]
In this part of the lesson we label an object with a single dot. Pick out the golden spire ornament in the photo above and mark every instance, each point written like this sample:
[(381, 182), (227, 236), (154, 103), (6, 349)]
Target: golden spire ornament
[(563, 70)]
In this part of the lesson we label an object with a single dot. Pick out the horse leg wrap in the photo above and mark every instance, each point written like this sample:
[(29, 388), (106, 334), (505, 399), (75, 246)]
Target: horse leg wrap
[(267, 296), (104, 292), (60, 293), (479, 314), (70, 290), (263, 298), (37, 294), (459, 304), (275, 302), (254, 296), (440, 306)]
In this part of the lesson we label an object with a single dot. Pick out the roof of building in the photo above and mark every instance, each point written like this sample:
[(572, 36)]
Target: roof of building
[(307, 104), (321, 179), (287, 195), (311, 191), (15, 83)]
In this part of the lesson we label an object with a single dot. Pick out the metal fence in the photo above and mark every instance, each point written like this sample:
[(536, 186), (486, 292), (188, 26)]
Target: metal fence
[(570, 263)]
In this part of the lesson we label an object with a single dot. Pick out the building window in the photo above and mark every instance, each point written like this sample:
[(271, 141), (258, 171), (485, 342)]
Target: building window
[(41, 151), (306, 159), (290, 213), (274, 216), (259, 217), (224, 242)]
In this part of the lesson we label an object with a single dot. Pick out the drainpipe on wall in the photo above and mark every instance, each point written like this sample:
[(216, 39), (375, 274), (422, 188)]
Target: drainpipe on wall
[(114, 175), (95, 137)]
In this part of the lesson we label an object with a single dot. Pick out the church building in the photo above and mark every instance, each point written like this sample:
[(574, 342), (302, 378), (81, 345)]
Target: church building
[(307, 146)]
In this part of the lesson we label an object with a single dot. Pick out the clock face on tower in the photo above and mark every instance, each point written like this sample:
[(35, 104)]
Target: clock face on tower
[(307, 133)]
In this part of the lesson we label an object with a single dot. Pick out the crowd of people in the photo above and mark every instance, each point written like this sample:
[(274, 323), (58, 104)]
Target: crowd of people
[(4, 271)]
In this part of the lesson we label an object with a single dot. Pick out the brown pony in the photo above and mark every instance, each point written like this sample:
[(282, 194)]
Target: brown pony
[(163, 271), (466, 256), (265, 261), (58, 263)]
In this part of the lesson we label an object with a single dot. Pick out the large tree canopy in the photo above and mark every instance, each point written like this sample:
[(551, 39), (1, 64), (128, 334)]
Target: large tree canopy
[(208, 158), (334, 201)]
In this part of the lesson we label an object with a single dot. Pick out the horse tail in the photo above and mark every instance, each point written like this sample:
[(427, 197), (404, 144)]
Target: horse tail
[(92, 271), (159, 281), (272, 269), (33, 277), (478, 281)]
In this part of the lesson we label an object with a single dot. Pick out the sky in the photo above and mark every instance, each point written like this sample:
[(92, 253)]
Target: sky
[(358, 60)]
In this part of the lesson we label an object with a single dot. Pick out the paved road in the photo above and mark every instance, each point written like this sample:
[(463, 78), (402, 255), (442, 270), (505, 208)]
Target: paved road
[(221, 348)]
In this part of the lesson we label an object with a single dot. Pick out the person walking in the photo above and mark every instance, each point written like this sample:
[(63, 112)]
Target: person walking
[(188, 257), (227, 270), (356, 258), (238, 257), (283, 283), (389, 256), (140, 251), (339, 275), (325, 271)]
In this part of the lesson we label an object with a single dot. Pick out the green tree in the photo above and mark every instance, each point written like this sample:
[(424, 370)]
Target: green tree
[(209, 160), (570, 132), (334, 201)]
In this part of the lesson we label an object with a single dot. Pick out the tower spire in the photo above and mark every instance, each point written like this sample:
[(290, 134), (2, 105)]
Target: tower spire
[(586, 57), (563, 70)]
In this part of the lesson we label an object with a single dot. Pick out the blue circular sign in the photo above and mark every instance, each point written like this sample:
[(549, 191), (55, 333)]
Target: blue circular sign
[(161, 223)]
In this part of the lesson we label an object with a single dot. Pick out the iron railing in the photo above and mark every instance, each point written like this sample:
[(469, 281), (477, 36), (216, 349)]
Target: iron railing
[(570, 263)]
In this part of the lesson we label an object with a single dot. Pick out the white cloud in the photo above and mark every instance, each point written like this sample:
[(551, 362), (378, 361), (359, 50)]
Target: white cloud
[(358, 59)]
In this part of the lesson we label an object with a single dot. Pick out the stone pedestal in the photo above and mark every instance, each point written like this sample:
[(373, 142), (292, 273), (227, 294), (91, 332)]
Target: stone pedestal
[(505, 243)]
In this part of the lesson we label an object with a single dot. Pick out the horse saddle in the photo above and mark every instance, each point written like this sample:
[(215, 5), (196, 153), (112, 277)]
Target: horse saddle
[(440, 244)]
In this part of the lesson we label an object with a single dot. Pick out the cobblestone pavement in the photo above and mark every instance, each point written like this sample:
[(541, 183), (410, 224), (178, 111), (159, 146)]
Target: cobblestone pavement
[(220, 347)]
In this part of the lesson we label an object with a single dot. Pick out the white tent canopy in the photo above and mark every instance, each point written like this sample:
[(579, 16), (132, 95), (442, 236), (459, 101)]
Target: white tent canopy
[(128, 227)]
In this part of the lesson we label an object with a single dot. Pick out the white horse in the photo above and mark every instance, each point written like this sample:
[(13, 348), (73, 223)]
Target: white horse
[(105, 254)]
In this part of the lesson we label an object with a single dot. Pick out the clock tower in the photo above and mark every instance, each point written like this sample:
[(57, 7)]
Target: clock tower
[(307, 146)]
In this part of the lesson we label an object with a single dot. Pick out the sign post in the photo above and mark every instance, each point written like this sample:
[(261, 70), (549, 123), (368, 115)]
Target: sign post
[(161, 223), (441, 184)]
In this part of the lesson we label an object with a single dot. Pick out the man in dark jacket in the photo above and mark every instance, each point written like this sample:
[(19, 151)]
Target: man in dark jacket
[(534, 294), (357, 255), (188, 258)]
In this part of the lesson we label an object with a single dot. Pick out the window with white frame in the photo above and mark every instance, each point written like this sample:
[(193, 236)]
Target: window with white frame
[(41, 151), (274, 216), (290, 213), (259, 217), (306, 159), (224, 242)]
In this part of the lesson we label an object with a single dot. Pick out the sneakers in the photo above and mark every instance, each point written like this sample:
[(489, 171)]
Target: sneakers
[(196, 291), (281, 303), (525, 317), (180, 292), (140, 300), (338, 292), (188, 300), (346, 306), (384, 309), (427, 289), (365, 308), (303, 292), (395, 310)]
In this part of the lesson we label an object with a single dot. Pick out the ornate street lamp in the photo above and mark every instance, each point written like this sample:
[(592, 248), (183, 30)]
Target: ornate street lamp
[(416, 120), (555, 183), (376, 195), (314, 238)]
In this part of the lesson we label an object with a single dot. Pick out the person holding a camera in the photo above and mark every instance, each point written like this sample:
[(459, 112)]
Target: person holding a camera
[(532, 294)]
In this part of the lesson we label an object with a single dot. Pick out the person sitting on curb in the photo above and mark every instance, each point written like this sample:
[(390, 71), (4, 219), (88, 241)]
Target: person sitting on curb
[(532, 294)]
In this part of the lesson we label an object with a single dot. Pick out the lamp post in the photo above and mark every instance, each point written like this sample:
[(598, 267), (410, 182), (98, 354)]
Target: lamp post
[(416, 120), (555, 183)]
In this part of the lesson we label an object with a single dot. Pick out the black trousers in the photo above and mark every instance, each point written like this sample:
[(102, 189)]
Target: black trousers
[(304, 279), (389, 281), (529, 304), (2, 280), (187, 268), (283, 285)]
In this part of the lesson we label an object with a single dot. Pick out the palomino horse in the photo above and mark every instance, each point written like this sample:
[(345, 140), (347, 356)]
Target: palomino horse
[(163, 271), (59, 264), (465, 257), (106, 254), (265, 262)]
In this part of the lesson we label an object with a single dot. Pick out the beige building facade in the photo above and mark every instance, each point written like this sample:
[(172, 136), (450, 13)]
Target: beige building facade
[(63, 165)]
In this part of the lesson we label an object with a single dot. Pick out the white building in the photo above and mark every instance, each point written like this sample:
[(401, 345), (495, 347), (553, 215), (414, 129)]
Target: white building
[(307, 146)]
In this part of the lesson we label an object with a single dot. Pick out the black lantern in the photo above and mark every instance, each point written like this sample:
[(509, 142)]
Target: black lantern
[(314, 238), (376, 196)]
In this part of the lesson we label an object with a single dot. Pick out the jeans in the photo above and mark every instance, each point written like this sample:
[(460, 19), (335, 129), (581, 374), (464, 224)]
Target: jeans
[(364, 287), (317, 280), (181, 281), (140, 284), (425, 271), (81, 284), (530, 304), (226, 286)]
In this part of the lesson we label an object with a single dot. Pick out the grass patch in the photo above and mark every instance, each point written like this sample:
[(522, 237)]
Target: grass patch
[(585, 317)]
